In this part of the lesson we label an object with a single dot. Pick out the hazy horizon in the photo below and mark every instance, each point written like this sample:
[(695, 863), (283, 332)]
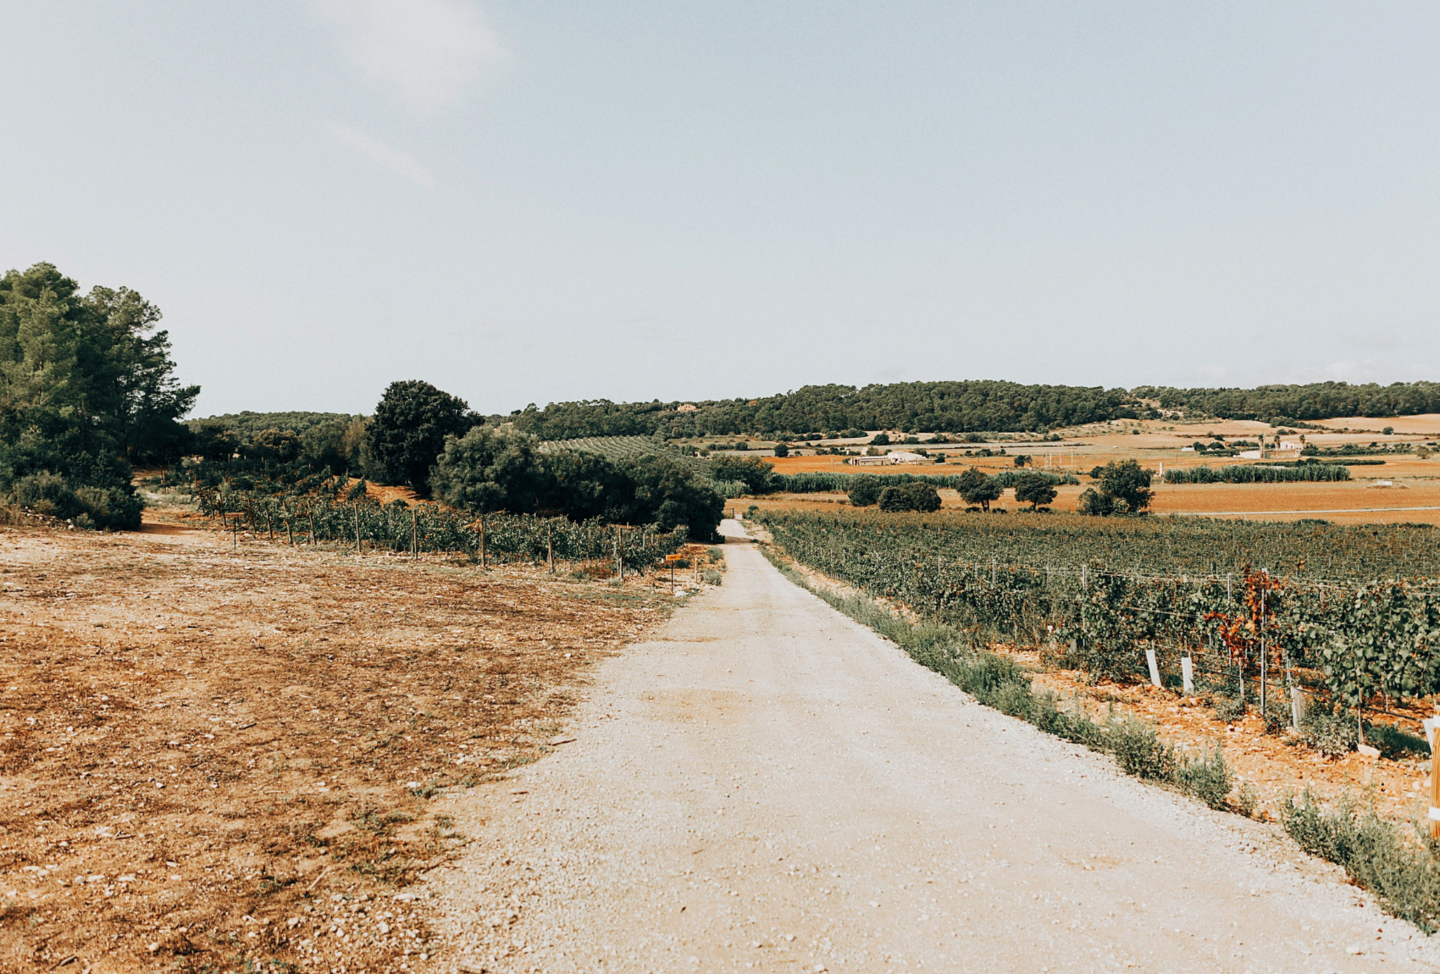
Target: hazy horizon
[(537, 204)]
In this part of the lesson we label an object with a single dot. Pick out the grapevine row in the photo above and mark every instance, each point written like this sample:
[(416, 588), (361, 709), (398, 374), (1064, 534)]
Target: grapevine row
[(318, 517)]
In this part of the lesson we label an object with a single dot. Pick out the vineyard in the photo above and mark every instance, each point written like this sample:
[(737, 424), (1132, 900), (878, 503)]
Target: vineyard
[(1350, 614), (619, 448), (335, 517)]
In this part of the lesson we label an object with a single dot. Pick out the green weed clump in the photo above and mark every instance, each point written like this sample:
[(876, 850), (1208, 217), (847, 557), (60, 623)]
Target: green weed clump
[(1207, 778), (1332, 734), (1401, 869)]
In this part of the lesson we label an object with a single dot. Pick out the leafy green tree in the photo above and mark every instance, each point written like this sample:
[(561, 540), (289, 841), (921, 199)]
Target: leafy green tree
[(670, 494), (409, 429), (754, 473), (864, 490), (86, 387), (1128, 482), (977, 488), (1035, 490), (491, 470), (273, 447), (880, 439), (910, 497), (782, 449), (581, 485), (213, 441), (1021, 459)]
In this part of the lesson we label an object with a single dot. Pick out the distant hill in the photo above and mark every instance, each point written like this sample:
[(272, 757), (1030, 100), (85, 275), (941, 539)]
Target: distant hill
[(920, 407)]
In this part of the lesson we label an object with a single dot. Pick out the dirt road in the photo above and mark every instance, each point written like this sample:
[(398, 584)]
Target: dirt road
[(772, 787)]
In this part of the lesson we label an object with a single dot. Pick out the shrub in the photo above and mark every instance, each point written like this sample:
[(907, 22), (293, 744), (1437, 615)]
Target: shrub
[(1401, 870), (1332, 734), (910, 497), (1246, 800), (1277, 715), (864, 490), (1205, 777), (1139, 751), (88, 506), (1229, 709)]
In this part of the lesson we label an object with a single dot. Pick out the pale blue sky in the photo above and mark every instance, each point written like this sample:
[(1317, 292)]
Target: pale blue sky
[(536, 202)]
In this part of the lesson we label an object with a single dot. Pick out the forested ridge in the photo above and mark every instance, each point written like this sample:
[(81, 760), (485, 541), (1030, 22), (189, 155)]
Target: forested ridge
[(965, 407), (921, 407), (1317, 400)]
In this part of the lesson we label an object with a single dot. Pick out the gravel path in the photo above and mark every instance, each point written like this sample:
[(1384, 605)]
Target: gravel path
[(773, 787)]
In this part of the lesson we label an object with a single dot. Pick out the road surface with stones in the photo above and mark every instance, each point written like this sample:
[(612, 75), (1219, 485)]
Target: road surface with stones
[(770, 786)]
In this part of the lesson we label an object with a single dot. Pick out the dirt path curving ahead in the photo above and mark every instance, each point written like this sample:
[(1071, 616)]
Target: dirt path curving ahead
[(773, 787)]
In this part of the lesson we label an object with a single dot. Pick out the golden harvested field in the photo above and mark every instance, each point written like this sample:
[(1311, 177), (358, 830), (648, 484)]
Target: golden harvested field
[(1404, 488), (214, 758)]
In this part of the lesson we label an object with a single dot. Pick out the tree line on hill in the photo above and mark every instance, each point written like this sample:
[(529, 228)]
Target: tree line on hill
[(965, 407), (1283, 405), (916, 407)]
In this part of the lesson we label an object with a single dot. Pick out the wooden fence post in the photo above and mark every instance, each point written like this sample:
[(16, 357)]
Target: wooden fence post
[(414, 536), (356, 508), (483, 563), (549, 550)]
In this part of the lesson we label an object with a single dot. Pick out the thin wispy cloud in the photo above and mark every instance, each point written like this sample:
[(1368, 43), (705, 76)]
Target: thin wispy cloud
[(400, 163), (428, 51)]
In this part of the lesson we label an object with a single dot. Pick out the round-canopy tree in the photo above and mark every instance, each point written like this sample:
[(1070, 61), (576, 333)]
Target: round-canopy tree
[(409, 429)]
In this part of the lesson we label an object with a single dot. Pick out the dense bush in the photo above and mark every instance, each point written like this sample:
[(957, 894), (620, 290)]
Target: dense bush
[(490, 470), (865, 490), (502, 470), (756, 474), (909, 497)]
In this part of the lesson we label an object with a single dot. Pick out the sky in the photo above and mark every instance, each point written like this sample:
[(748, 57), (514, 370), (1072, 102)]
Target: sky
[(526, 203)]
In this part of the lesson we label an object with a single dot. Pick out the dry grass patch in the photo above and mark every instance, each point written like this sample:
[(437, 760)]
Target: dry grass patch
[(208, 757)]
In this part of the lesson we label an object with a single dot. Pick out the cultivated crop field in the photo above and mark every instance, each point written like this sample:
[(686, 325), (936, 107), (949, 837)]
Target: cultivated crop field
[(217, 757)]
